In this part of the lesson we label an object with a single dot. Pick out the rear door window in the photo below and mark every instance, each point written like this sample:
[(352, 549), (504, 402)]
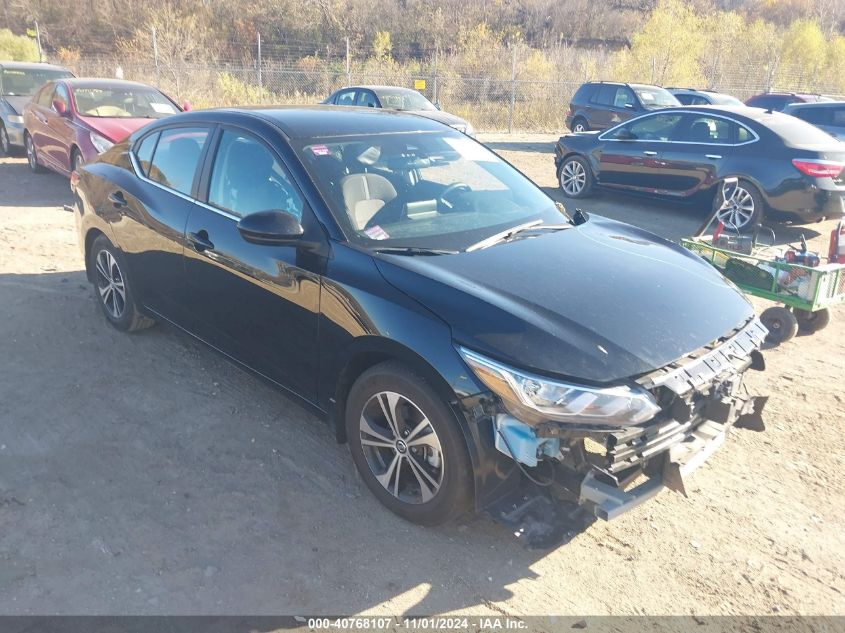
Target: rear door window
[(366, 99), (605, 95), (177, 156), (705, 129)]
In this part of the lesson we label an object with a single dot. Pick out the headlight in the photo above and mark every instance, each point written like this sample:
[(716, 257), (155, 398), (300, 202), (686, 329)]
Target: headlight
[(16, 118), (535, 398), (100, 143)]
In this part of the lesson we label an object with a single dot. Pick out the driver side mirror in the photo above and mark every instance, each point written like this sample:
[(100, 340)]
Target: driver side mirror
[(60, 107), (274, 227)]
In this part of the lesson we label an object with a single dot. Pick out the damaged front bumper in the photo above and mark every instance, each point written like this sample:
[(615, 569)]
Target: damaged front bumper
[(611, 471)]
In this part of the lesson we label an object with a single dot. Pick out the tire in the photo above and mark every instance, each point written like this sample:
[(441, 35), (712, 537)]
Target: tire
[(745, 208), (31, 155), (75, 159), (781, 323), (113, 287), (425, 467), (579, 124), (575, 178), (5, 143), (811, 322)]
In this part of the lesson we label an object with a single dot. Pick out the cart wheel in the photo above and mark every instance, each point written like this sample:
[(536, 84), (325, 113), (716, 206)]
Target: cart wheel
[(811, 322), (781, 323)]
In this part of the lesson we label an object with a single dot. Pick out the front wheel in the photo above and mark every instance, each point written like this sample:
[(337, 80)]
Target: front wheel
[(780, 322), (575, 177), (407, 446), (115, 293), (5, 143), (31, 155)]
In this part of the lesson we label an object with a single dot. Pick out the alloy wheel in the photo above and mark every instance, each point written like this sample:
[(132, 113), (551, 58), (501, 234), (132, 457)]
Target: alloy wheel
[(110, 284), (30, 153), (401, 447), (579, 127), (738, 210), (573, 177), (5, 145)]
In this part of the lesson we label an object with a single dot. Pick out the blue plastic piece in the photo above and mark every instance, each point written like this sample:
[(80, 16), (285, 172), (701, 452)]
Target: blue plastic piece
[(526, 446)]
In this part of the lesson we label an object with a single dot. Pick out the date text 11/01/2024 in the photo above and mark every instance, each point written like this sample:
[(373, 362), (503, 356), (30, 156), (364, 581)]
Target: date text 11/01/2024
[(418, 624)]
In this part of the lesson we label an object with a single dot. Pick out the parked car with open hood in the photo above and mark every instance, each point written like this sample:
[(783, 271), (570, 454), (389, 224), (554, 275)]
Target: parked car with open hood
[(458, 329), (598, 105), (18, 82), (70, 121), (784, 165), (396, 98)]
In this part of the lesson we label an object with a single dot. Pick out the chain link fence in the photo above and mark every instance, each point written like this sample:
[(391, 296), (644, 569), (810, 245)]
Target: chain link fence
[(495, 95)]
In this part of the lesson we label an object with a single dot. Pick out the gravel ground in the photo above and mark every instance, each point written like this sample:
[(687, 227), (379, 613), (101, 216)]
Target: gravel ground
[(143, 474)]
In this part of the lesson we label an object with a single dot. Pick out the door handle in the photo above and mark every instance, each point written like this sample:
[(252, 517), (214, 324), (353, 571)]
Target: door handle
[(713, 156), (200, 242), (117, 199), (650, 153)]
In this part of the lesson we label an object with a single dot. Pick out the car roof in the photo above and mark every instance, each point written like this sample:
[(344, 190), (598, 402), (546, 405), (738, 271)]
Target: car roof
[(375, 87), (97, 82), (748, 112), (31, 66), (624, 83), (319, 121), (803, 105)]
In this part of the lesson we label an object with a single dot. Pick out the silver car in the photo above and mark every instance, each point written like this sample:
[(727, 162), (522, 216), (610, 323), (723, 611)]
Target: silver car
[(396, 98), (827, 115), (18, 82)]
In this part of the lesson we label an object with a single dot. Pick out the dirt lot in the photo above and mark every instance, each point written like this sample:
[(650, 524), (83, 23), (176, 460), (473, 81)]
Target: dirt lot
[(144, 474)]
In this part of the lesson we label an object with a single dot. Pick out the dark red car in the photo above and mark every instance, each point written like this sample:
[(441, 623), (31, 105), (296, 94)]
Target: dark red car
[(70, 121), (777, 101)]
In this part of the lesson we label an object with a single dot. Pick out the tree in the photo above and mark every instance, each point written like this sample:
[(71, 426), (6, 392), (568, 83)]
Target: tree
[(803, 55), (18, 48)]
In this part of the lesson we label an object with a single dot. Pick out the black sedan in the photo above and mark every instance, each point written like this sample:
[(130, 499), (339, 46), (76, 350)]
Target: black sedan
[(457, 328), (784, 164)]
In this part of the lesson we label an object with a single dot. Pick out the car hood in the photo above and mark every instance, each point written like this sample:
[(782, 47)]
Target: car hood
[(442, 117), (114, 129), (17, 103), (600, 302)]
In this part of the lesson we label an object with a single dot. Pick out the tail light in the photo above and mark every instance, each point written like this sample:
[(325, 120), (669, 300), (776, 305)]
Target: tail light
[(818, 168)]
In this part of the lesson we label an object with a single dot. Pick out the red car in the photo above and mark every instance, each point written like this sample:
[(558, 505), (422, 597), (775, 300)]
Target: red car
[(70, 121), (777, 101)]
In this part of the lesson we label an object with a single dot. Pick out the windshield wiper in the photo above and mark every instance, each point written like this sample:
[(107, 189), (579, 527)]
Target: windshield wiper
[(413, 250), (528, 227)]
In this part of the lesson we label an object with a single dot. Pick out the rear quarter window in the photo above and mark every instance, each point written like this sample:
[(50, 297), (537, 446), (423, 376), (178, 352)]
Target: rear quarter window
[(583, 94), (144, 152)]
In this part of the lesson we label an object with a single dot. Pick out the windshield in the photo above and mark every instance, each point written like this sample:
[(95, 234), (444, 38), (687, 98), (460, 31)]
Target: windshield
[(23, 82), (124, 103), (427, 190), (403, 100), (656, 97)]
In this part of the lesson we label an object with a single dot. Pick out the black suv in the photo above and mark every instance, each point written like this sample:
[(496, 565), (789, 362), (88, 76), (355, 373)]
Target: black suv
[(598, 105)]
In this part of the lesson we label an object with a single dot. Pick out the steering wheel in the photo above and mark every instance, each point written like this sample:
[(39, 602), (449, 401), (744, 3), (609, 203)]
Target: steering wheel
[(442, 199)]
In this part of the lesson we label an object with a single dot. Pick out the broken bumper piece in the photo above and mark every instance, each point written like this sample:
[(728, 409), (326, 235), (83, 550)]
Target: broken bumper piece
[(607, 500)]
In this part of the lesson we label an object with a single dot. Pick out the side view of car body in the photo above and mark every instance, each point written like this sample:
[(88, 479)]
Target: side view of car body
[(18, 82), (827, 115), (598, 105), (784, 164), (70, 121), (372, 264), (777, 101), (396, 98), (691, 96)]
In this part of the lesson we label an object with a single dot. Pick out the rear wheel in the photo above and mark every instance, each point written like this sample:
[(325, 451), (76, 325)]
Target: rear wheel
[(743, 209), (575, 177), (781, 323), (407, 446), (580, 125), (811, 322), (31, 155), (115, 293), (75, 160)]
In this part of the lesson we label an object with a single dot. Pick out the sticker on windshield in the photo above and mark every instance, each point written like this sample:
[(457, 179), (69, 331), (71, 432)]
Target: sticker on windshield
[(321, 150), (163, 108), (470, 150), (376, 233)]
